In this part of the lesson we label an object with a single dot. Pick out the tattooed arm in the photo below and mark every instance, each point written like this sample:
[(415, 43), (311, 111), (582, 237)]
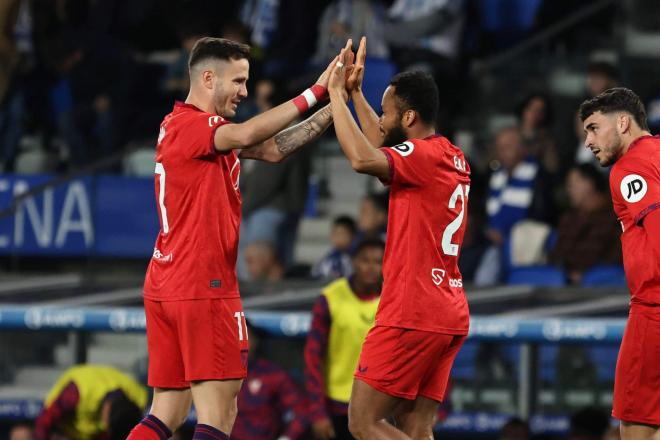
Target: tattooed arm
[(291, 139)]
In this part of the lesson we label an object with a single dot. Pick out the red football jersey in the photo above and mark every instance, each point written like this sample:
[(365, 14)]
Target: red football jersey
[(423, 287), (199, 206), (635, 188)]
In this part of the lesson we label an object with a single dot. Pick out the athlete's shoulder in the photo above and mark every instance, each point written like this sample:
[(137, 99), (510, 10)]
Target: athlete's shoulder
[(643, 155), (185, 113)]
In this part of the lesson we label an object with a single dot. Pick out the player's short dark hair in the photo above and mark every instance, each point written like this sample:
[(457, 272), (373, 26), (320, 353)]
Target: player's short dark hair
[(217, 48), (417, 90), (591, 173), (617, 99), (346, 221), (368, 243), (124, 415)]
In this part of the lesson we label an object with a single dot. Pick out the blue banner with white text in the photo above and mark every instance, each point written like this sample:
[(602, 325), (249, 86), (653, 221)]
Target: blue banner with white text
[(90, 216)]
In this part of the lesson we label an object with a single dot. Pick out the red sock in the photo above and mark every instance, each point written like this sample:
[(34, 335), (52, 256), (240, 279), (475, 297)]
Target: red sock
[(150, 428)]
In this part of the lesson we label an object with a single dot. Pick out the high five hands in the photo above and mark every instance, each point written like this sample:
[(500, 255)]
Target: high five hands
[(346, 77)]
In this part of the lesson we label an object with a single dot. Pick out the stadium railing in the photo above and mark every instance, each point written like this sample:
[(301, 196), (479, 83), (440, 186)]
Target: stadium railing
[(529, 333)]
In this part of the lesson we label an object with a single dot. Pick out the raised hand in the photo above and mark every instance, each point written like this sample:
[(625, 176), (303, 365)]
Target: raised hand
[(337, 80), (354, 80), (325, 76)]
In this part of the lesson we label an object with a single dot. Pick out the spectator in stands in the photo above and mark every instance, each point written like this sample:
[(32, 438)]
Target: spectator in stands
[(92, 400), (21, 431), (427, 35), (341, 318), (601, 75), (274, 194), (337, 262), (585, 236), (344, 19), (372, 218), (11, 98), (262, 262), (271, 406), (589, 424), (176, 82), (518, 190), (535, 118), (515, 429)]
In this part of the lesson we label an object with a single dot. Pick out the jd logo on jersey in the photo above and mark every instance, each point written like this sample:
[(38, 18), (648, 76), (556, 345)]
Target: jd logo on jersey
[(633, 188)]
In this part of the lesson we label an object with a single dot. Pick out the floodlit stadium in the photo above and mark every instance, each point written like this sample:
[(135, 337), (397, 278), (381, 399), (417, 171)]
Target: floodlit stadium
[(147, 175)]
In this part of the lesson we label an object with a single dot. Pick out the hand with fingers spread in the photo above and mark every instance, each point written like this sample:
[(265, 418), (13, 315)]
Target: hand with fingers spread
[(354, 80), (325, 76), (337, 81)]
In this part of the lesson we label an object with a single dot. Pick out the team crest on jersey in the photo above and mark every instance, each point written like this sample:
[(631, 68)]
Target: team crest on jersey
[(633, 188), (214, 120), (404, 149)]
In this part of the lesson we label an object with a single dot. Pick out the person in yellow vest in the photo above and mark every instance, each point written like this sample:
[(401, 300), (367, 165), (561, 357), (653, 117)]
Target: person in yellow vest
[(341, 318), (91, 402)]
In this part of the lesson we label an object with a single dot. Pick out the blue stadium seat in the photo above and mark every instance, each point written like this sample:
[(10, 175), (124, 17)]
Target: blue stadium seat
[(604, 357), (548, 363), (465, 362), (544, 276), (376, 81), (604, 276)]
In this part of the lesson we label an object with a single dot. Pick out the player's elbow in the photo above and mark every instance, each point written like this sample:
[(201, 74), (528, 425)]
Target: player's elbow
[(360, 165)]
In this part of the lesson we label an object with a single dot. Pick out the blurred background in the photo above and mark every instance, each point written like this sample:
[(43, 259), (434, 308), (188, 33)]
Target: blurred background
[(84, 85)]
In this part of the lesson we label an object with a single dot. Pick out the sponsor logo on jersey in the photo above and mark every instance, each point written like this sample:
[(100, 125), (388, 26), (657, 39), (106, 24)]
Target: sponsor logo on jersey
[(633, 188), (438, 276), (362, 369), (404, 149), (158, 255), (455, 282)]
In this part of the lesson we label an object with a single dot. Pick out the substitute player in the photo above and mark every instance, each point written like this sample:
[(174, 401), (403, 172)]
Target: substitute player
[(196, 332), (618, 135), (422, 318)]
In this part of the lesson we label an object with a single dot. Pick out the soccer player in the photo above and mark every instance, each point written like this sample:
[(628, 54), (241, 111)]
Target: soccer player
[(423, 317), (618, 135), (196, 333)]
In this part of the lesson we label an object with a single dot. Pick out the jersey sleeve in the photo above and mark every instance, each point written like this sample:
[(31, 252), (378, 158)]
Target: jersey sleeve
[(199, 134), (409, 164), (637, 187)]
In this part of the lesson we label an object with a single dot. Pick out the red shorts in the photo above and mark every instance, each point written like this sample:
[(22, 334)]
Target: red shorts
[(637, 382), (408, 363), (191, 340)]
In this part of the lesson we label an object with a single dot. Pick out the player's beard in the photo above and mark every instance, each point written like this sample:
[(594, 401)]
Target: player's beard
[(395, 136), (612, 151)]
